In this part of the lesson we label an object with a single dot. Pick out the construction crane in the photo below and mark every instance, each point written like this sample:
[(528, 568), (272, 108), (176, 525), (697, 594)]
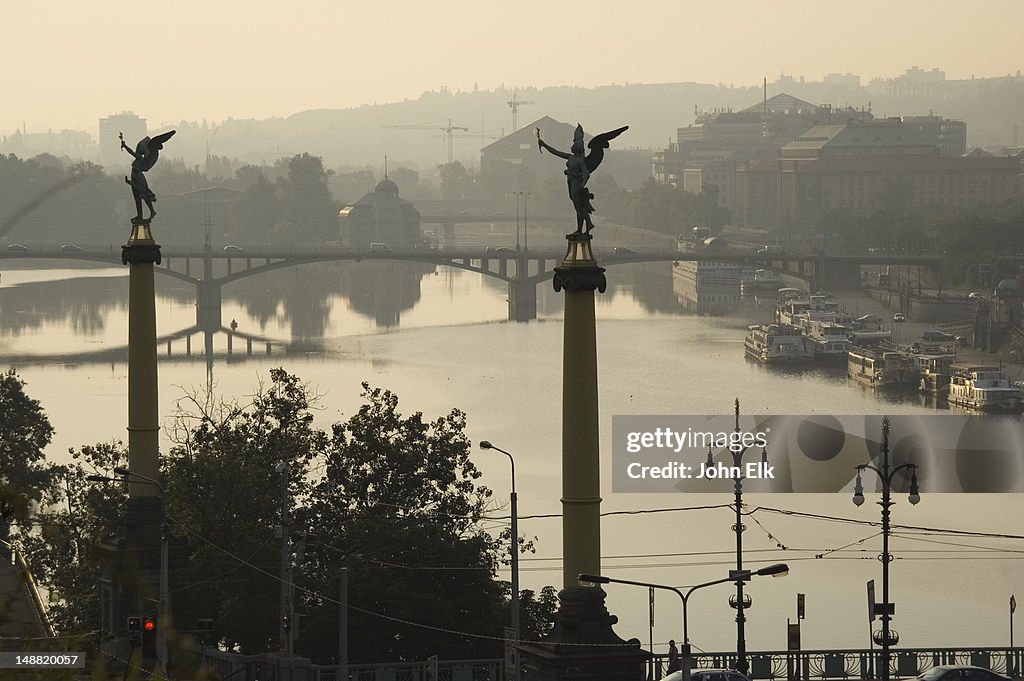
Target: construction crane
[(447, 130), (514, 104)]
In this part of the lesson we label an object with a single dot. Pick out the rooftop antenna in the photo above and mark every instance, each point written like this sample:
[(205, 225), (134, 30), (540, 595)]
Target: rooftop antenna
[(385, 166)]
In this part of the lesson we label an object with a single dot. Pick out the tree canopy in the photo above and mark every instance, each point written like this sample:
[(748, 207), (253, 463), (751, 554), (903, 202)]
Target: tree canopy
[(393, 498)]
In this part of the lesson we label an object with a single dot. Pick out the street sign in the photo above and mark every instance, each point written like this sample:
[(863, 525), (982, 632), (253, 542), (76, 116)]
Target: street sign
[(432, 668), (511, 655), (885, 609), (871, 600), (800, 599)]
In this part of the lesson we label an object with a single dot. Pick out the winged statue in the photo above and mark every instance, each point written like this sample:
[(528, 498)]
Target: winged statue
[(578, 168), (146, 153)]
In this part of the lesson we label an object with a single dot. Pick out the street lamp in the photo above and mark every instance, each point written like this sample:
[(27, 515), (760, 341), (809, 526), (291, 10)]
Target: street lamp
[(484, 444), (739, 601), (776, 570), (886, 475), (161, 631)]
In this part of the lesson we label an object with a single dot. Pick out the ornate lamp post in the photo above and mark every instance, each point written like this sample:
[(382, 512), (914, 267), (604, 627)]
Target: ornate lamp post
[(515, 539), (740, 601), (886, 474)]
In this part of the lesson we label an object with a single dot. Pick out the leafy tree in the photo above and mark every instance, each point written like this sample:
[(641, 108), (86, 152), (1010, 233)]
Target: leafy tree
[(306, 200), (75, 517), (24, 434), (257, 211), (400, 507), (393, 498)]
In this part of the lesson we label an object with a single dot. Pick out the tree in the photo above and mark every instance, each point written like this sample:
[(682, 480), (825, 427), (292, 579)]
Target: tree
[(400, 507), (307, 201), (393, 498), (257, 211), (24, 434)]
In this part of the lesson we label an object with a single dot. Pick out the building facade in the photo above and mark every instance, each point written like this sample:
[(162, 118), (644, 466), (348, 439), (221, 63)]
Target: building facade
[(380, 217)]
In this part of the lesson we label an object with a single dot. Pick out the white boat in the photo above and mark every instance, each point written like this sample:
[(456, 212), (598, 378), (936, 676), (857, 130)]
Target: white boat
[(883, 367), (830, 341), (935, 373), (777, 344), (982, 387)]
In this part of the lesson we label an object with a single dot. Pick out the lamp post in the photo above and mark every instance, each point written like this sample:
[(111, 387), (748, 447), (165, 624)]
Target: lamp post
[(484, 444), (161, 631), (739, 601), (886, 474), (776, 570)]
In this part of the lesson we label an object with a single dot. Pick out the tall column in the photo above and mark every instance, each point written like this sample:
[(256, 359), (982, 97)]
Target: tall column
[(582, 644), (142, 566), (140, 253), (580, 276)]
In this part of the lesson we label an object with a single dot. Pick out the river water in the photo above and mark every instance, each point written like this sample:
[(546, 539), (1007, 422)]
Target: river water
[(440, 339)]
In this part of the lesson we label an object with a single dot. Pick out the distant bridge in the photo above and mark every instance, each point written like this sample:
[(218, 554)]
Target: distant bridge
[(522, 270)]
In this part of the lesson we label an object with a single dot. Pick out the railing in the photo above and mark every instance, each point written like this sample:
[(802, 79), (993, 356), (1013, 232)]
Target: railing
[(7, 549), (805, 665)]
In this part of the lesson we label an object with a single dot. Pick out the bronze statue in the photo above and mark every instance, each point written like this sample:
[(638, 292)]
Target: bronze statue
[(578, 169), (147, 151)]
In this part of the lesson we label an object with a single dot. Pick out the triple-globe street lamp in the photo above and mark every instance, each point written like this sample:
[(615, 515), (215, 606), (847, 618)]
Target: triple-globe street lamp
[(886, 474), (776, 570), (739, 601)]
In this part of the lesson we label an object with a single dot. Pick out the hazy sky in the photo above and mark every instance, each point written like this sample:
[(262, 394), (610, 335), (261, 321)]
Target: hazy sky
[(67, 63)]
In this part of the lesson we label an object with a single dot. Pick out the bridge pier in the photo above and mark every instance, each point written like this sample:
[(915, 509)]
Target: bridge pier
[(522, 300), (208, 300)]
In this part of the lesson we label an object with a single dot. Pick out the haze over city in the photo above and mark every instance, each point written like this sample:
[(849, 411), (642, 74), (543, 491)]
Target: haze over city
[(70, 64)]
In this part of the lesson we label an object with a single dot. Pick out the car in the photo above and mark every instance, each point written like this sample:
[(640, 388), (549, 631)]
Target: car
[(899, 317), (71, 248), (379, 248), (936, 336), (500, 249), (624, 251), (868, 319), (230, 248), (771, 250), (708, 675), (976, 295), (17, 247), (960, 672)]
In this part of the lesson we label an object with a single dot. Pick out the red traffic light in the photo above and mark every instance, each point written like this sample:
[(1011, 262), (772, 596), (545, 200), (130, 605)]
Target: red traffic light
[(150, 625)]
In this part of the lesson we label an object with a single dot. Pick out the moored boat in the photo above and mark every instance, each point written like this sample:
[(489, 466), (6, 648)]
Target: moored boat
[(982, 387), (883, 367), (935, 373), (777, 344)]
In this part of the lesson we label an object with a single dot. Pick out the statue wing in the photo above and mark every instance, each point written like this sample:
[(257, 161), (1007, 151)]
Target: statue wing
[(142, 147), (598, 144), (160, 139)]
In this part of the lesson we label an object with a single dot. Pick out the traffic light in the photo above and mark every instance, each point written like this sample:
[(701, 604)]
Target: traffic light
[(149, 638), (135, 631), (287, 622)]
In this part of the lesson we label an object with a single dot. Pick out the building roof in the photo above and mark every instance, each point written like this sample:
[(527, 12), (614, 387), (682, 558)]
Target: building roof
[(551, 130), (867, 134), (783, 104)]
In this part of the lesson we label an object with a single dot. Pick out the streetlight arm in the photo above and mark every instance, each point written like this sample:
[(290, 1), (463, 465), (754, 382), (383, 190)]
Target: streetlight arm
[(121, 470)]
